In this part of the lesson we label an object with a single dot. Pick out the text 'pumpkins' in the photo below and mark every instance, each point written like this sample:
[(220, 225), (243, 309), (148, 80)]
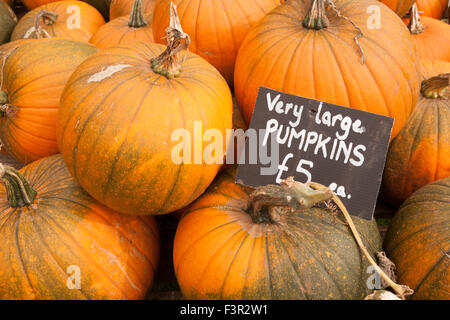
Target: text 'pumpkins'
[(305, 48), (52, 229), (119, 114)]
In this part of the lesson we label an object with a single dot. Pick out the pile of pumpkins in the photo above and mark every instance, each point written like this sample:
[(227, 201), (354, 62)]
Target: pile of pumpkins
[(92, 91)]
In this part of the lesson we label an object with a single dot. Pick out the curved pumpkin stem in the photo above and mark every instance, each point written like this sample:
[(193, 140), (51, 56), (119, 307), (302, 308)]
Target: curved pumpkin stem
[(48, 18), (137, 19), (436, 87), (167, 63), (18, 191), (401, 290), (414, 26)]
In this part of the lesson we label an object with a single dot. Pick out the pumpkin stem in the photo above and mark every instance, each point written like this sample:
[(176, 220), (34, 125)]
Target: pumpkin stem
[(401, 290), (436, 87), (290, 193), (3, 98), (18, 191), (137, 19), (48, 18), (167, 63), (414, 26)]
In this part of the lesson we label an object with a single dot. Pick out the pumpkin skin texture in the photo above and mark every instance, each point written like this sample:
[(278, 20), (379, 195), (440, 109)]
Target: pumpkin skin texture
[(90, 21), (117, 254), (418, 241), (401, 7), (220, 253), (101, 5), (325, 65), (114, 130), (432, 8), (217, 28), (29, 133), (120, 8), (421, 151), (7, 22)]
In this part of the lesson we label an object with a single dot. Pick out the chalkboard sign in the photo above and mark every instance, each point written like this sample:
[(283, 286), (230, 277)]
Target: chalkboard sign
[(336, 146)]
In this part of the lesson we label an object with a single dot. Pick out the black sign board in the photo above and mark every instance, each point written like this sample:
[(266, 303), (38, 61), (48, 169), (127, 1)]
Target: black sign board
[(336, 146)]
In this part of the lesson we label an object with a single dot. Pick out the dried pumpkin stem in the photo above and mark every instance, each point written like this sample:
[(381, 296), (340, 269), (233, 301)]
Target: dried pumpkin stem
[(18, 191), (414, 26), (167, 63), (401, 290), (437, 87), (48, 18), (137, 19)]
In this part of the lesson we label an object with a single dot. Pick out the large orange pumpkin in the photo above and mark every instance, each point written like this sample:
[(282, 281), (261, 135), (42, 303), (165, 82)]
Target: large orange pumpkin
[(120, 8), (418, 241), (430, 36), (217, 28), (324, 63), (224, 249), (401, 7), (74, 20), (125, 30), (100, 5), (420, 153), (432, 8), (53, 234), (118, 117), (28, 117)]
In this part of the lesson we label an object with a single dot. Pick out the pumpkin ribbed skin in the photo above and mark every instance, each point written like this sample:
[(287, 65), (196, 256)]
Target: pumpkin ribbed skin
[(101, 5), (418, 241), (217, 28), (90, 21), (432, 8), (121, 8), (117, 254), (401, 7), (114, 130), (7, 22), (281, 54), (421, 151), (220, 253), (45, 65)]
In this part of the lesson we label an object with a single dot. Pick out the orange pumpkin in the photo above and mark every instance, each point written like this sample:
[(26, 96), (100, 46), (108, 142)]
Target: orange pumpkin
[(58, 243), (289, 55), (125, 30), (401, 7), (100, 5), (432, 8), (120, 8), (430, 36), (421, 151), (118, 113), (74, 20), (31, 96), (217, 28)]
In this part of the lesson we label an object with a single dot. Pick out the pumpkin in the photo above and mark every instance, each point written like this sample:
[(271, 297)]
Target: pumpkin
[(421, 151), (30, 98), (101, 5), (7, 22), (432, 8), (224, 248), (292, 51), (430, 36), (120, 8), (418, 241), (60, 19), (217, 28), (118, 117), (125, 30), (53, 232), (401, 7)]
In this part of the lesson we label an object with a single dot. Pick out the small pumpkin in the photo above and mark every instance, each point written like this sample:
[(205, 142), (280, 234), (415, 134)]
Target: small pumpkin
[(8, 21), (120, 8), (235, 244), (418, 241), (421, 151), (118, 113), (53, 231), (30, 99), (125, 30), (401, 7), (430, 36), (74, 20), (432, 8), (217, 28), (305, 48)]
